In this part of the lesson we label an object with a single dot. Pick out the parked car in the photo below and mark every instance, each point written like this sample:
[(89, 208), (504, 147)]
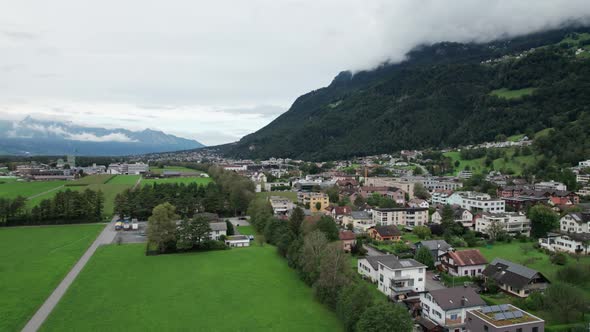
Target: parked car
[(436, 277), (126, 226), (118, 226)]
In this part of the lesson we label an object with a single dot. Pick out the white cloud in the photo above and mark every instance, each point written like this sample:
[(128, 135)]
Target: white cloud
[(212, 66), (89, 137)]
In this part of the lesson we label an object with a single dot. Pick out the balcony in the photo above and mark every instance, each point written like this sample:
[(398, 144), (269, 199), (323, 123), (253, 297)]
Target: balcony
[(453, 322), (401, 287)]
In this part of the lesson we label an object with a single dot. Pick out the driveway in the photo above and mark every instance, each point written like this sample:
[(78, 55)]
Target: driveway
[(432, 284), (372, 251)]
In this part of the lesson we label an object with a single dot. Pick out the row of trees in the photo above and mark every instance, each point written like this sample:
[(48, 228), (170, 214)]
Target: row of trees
[(311, 248), (65, 207), (230, 194)]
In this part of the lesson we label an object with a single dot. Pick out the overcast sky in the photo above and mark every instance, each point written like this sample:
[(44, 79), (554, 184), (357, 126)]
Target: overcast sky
[(217, 70)]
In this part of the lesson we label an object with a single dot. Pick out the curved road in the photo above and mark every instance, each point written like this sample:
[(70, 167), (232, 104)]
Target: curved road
[(106, 237)]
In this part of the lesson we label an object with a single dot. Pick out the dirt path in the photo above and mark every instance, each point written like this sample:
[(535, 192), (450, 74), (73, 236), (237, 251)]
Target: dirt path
[(106, 237), (45, 192)]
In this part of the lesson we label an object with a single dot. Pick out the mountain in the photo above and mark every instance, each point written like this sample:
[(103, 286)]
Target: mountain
[(446, 94), (37, 137)]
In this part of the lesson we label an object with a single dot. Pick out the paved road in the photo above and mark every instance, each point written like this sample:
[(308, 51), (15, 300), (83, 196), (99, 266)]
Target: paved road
[(105, 237), (372, 251), (432, 284)]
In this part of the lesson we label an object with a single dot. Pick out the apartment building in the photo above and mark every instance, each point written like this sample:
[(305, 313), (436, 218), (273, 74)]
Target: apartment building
[(477, 202), (512, 222), (408, 217)]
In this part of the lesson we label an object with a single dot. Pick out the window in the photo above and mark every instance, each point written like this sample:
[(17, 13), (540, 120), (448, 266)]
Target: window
[(420, 279), (519, 329), (454, 316), (535, 329), (436, 313), (381, 277), (420, 270), (466, 272), (486, 328)]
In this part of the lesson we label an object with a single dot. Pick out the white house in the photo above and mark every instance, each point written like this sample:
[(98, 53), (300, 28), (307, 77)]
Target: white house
[(237, 241), (218, 229), (281, 205), (360, 220), (575, 222), (475, 202), (550, 185), (570, 243), (513, 223), (463, 216), (394, 276), (464, 263), (448, 307), (418, 203)]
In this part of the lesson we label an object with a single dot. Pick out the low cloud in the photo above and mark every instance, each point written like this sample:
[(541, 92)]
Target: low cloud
[(89, 137)]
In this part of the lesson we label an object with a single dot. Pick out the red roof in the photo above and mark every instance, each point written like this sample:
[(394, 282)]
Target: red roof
[(342, 210), (467, 257), (347, 235)]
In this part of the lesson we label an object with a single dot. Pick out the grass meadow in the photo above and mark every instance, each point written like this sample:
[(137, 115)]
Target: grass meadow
[(33, 261), (245, 289)]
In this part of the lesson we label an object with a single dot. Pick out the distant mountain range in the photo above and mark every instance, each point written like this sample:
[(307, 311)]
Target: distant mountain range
[(446, 94), (38, 137)]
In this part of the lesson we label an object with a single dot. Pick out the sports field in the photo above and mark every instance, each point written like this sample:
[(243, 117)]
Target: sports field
[(288, 194), (245, 289), (33, 261), (185, 180), (173, 168)]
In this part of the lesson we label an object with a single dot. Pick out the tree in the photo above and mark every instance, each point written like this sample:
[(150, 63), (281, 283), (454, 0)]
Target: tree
[(359, 201), (543, 220), (559, 258), (333, 274), (333, 194), (318, 206), (383, 316), (295, 221), (565, 302), (191, 232), (422, 232), (314, 244), (230, 228), (420, 191), (328, 226), (161, 230), (424, 256), (352, 302), (496, 231)]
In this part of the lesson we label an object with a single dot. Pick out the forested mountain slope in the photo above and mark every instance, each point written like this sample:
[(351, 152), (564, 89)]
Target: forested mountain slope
[(447, 94)]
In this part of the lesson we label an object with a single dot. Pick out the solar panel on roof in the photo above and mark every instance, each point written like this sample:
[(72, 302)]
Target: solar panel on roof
[(509, 314), (495, 308), (405, 263), (499, 316), (486, 310), (518, 314), (504, 307)]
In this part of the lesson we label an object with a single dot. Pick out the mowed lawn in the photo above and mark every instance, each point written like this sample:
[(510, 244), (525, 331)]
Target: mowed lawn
[(185, 180), (124, 179), (245, 289), (33, 261), (173, 168), (246, 230), (27, 189)]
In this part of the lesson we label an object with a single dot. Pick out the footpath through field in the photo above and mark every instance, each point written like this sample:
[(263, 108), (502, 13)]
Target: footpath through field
[(45, 192), (106, 237)]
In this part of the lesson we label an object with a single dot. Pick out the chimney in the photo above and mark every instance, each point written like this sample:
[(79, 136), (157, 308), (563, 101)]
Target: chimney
[(463, 300)]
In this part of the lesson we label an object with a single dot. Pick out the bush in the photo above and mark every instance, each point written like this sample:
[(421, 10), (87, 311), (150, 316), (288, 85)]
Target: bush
[(577, 274), (559, 258)]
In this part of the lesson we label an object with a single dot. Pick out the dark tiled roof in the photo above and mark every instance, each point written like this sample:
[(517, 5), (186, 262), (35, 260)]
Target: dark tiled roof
[(456, 297), (509, 273), (434, 244), (389, 230), (357, 215)]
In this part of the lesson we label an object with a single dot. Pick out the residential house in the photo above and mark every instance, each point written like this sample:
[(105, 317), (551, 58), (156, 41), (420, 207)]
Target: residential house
[(218, 229), (476, 202), (551, 185), (514, 278), (314, 200), (400, 278), (440, 197), (502, 318), (513, 223), (464, 263), (338, 212), (418, 203), (385, 233), (408, 217), (381, 181), (281, 206), (437, 248), (447, 308), (360, 220), (348, 240), (573, 236), (237, 241), (397, 195), (461, 215)]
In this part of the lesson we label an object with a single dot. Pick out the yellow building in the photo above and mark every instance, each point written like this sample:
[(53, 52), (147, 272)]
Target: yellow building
[(313, 199)]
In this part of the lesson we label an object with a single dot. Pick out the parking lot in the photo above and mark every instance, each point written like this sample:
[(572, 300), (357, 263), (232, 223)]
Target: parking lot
[(131, 236)]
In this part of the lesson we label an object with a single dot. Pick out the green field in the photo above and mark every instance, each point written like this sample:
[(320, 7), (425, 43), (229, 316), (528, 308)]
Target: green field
[(124, 179), (27, 189), (478, 165), (246, 289), (173, 168), (185, 180), (512, 94), (289, 194), (515, 138), (246, 230), (92, 179), (33, 261)]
